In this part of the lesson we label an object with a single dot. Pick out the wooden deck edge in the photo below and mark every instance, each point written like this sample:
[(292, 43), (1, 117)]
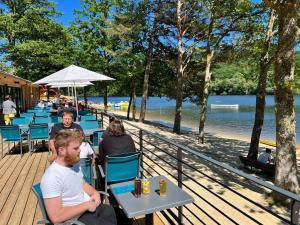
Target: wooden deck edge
[(141, 220)]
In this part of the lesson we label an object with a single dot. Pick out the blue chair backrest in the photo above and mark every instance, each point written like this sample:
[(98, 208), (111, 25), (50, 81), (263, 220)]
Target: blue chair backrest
[(21, 120), (27, 114), (86, 169), (45, 114), (38, 192), (39, 131), (83, 112), (88, 117), (122, 167), (38, 120), (10, 133), (56, 119), (89, 124), (32, 110), (96, 136)]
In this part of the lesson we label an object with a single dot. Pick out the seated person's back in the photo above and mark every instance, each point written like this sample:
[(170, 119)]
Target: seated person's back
[(265, 157), (116, 141)]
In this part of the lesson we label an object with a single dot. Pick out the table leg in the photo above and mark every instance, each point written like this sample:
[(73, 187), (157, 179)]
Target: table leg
[(149, 219)]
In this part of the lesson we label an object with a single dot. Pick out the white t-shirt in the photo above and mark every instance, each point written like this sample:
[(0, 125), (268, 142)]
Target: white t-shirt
[(85, 150), (264, 157), (66, 182)]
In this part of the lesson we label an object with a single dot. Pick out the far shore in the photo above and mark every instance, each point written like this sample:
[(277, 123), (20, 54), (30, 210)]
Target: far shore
[(211, 131)]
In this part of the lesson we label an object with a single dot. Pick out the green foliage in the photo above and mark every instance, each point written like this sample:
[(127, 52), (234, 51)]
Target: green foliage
[(33, 43)]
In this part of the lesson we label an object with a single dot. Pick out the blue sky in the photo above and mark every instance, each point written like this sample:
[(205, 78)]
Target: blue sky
[(66, 7)]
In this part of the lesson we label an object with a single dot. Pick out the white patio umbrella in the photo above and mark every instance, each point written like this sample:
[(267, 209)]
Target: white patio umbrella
[(78, 84), (73, 74)]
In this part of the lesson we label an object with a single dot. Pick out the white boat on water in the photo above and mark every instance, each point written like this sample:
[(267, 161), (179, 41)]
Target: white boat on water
[(221, 106)]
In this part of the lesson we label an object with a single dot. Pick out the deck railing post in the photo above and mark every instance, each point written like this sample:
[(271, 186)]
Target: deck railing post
[(295, 212), (141, 151), (102, 119), (97, 114), (179, 179)]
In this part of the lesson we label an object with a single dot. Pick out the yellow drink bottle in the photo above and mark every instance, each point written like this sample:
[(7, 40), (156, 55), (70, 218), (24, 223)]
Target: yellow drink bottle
[(146, 186)]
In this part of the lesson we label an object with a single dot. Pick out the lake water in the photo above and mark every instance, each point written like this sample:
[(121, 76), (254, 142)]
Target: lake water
[(236, 122)]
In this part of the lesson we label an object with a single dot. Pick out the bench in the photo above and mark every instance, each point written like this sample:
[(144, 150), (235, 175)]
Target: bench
[(268, 169)]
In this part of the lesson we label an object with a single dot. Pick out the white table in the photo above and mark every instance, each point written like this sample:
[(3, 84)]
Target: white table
[(148, 204)]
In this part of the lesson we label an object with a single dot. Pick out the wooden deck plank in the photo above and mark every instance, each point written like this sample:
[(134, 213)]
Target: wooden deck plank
[(10, 174), (11, 193), (6, 164), (38, 213), (18, 210), (3, 161), (32, 212)]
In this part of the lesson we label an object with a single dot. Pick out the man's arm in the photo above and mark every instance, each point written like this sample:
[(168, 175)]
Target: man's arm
[(59, 214), (92, 192), (52, 147)]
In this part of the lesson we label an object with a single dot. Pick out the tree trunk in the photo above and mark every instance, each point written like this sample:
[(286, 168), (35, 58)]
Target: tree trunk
[(105, 97), (85, 97), (204, 99), (179, 85), (148, 67), (129, 107), (133, 103), (261, 90), (286, 166), (131, 98), (206, 83)]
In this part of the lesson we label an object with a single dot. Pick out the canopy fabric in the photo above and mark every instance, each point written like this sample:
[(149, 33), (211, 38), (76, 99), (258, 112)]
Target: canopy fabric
[(70, 84), (73, 74)]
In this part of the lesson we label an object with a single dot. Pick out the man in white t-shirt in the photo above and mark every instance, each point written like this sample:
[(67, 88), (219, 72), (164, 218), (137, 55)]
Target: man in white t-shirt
[(66, 195), (265, 157)]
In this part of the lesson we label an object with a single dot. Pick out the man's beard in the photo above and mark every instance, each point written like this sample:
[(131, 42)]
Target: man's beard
[(71, 160)]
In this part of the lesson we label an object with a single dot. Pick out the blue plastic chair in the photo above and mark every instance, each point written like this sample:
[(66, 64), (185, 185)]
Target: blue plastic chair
[(11, 133), (38, 120), (32, 110), (27, 114), (121, 167), (90, 124), (38, 193), (38, 132), (96, 136), (87, 117), (56, 119), (42, 114), (83, 112), (87, 170), (22, 120)]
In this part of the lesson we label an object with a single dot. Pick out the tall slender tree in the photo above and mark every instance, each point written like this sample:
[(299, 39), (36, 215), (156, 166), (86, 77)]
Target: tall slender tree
[(149, 58), (286, 164), (266, 60), (225, 18)]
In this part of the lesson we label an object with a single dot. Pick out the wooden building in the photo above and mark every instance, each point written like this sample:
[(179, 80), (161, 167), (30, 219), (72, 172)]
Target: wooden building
[(23, 92)]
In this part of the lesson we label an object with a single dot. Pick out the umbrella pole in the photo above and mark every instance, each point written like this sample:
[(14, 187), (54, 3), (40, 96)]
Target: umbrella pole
[(76, 102)]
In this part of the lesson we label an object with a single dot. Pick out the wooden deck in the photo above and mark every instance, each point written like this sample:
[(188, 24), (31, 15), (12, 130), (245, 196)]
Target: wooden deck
[(18, 204)]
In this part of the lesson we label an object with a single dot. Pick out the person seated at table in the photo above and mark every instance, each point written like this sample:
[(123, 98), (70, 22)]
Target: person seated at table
[(116, 141), (71, 109), (41, 104), (67, 123), (266, 157), (67, 196), (105, 133)]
